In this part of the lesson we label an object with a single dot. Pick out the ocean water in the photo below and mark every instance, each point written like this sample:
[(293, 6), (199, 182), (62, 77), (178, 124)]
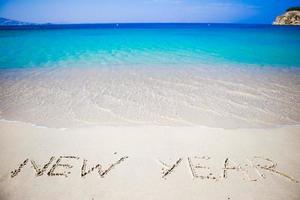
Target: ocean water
[(217, 75), (152, 44)]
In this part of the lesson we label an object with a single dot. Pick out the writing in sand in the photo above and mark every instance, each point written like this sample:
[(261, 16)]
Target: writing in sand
[(253, 169)]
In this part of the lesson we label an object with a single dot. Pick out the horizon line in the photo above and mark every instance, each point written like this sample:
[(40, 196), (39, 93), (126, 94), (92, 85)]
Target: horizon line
[(104, 23), (120, 23)]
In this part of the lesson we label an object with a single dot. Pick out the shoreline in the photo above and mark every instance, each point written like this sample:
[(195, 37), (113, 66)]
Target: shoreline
[(213, 97), (282, 126)]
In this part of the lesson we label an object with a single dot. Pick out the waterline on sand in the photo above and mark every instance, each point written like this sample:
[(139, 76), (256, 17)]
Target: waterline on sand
[(223, 97)]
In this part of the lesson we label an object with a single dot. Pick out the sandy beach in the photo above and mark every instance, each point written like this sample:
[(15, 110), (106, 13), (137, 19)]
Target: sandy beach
[(148, 162), (150, 111)]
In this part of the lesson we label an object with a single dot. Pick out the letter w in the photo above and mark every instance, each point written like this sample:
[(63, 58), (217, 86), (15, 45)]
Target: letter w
[(101, 172)]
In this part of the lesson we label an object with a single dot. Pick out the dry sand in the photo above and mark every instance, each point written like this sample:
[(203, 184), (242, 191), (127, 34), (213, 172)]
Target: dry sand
[(149, 162)]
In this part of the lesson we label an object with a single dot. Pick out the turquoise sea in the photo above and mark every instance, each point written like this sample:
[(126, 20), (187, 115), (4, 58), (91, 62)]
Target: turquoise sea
[(149, 44), (217, 75)]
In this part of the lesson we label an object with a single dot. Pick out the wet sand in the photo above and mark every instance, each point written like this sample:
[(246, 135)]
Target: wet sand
[(214, 96)]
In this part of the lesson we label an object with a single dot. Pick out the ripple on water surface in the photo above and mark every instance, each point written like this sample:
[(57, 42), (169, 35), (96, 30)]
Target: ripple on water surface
[(212, 96)]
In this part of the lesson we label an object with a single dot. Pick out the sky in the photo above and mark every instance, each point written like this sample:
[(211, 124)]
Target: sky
[(124, 11)]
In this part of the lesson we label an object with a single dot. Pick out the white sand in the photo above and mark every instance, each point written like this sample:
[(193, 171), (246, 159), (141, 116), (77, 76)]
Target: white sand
[(149, 119), (140, 175), (214, 96)]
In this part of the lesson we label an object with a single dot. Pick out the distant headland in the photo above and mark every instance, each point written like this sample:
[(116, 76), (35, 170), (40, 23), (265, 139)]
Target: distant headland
[(10, 22), (290, 17)]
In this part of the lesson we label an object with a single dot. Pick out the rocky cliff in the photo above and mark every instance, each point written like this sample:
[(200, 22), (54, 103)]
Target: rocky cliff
[(291, 17)]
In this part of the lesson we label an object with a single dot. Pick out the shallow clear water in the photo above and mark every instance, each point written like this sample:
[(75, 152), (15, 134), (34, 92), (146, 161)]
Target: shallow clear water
[(152, 45), (229, 76)]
